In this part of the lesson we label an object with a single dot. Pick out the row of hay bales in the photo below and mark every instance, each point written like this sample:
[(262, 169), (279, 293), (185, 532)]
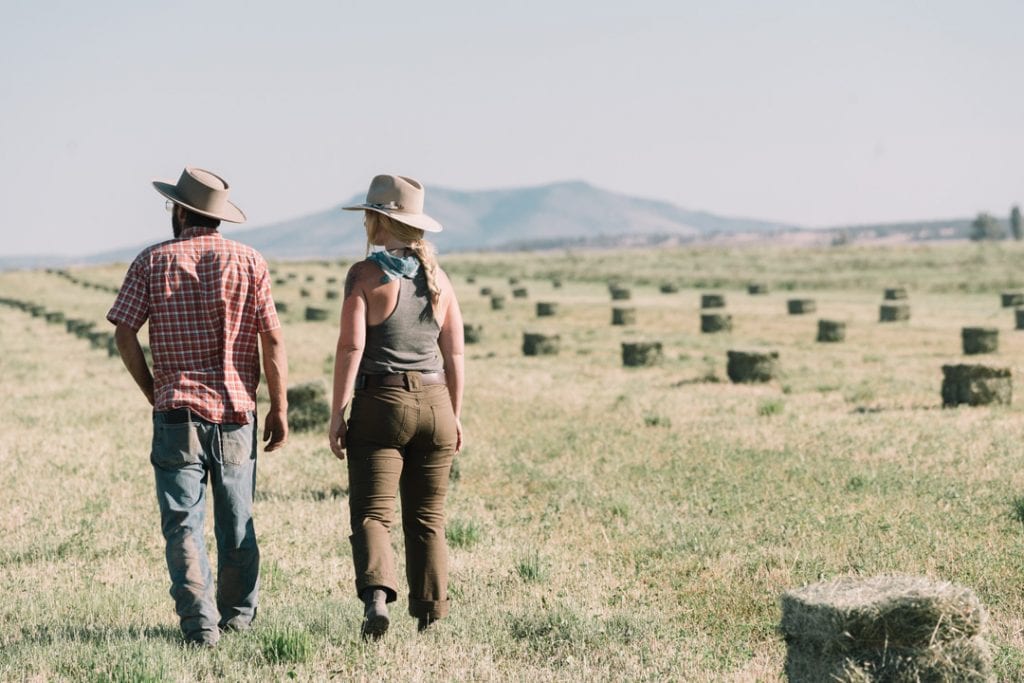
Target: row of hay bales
[(84, 329), (85, 284), (962, 383)]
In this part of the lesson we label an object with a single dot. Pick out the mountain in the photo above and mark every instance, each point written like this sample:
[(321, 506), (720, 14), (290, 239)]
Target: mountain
[(553, 214), (556, 215)]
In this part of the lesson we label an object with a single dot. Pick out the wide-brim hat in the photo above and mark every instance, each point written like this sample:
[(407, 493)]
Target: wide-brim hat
[(203, 192), (399, 198)]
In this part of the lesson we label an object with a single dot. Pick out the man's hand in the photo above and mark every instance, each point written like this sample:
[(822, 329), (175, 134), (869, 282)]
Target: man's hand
[(275, 430), (338, 434)]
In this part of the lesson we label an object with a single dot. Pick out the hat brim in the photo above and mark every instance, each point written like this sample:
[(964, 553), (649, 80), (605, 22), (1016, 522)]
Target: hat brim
[(416, 220), (231, 214)]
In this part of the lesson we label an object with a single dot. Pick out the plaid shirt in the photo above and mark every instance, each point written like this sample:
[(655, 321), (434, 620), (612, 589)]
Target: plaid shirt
[(207, 299)]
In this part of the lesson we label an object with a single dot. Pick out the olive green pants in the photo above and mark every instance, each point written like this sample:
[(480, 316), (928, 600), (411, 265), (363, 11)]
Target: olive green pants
[(401, 439)]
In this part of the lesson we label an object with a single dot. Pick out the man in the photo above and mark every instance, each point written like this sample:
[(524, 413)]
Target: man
[(207, 300)]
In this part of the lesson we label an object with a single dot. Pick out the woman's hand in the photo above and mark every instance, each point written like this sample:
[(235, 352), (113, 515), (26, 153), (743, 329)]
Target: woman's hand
[(337, 434), (458, 435)]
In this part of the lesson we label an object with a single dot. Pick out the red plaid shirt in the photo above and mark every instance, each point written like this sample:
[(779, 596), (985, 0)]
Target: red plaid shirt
[(207, 299)]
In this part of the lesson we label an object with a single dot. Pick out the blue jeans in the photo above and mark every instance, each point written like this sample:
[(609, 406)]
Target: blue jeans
[(188, 451)]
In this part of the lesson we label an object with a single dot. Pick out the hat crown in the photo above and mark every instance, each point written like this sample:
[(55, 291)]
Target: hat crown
[(203, 190), (396, 193)]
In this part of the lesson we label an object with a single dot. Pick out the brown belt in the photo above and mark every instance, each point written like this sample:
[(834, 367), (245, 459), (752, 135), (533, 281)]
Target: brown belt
[(403, 379)]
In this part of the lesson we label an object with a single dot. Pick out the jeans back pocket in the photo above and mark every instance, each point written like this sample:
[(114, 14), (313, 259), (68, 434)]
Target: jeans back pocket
[(175, 445), (237, 444)]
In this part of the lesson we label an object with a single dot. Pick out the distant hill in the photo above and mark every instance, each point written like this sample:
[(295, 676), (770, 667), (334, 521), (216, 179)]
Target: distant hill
[(556, 215), (492, 219)]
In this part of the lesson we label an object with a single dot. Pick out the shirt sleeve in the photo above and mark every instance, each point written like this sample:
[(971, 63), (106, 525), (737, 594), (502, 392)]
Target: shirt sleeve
[(131, 307), (266, 311)]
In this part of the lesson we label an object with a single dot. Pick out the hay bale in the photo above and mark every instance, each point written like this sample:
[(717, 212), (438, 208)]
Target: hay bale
[(1018, 315), (280, 281), (715, 322), (55, 317), (884, 628), (332, 294), (620, 293), (332, 280), (304, 293), (757, 288), (979, 340), (668, 288), (623, 316), (976, 385), (513, 281), (281, 306), (831, 331), (638, 354), (291, 276), (316, 314), (713, 300), (81, 328), (37, 311), (112, 349), (556, 283), (486, 291), (1012, 299), (497, 302), (472, 333), (520, 293), (801, 306), (546, 308), (470, 280), (99, 340), (536, 344), (752, 366), (894, 293), (890, 313), (308, 408), (310, 278)]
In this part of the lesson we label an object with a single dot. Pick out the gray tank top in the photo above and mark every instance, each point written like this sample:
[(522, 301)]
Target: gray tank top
[(407, 339)]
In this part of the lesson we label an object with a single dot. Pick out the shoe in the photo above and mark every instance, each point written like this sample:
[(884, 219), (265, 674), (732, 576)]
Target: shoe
[(203, 639), (375, 616)]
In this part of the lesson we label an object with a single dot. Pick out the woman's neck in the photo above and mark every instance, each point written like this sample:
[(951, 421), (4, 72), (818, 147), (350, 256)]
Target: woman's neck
[(393, 245)]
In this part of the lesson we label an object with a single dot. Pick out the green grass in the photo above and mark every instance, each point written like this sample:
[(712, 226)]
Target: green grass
[(605, 523)]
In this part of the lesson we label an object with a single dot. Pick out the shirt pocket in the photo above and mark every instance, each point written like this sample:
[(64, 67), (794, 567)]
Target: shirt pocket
[(237, 444), (175, 445)]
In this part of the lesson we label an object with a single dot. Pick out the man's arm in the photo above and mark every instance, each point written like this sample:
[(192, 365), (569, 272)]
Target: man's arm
[(275, 367), (128, 346)]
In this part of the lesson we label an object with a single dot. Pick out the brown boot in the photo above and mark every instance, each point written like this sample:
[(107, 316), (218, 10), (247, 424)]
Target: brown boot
[(375, 616)]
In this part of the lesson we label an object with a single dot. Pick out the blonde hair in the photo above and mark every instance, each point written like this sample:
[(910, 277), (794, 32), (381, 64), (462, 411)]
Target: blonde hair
[(378, 225)]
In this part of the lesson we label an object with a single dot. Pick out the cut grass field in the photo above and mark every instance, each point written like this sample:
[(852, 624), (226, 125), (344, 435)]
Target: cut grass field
[(607, 523)]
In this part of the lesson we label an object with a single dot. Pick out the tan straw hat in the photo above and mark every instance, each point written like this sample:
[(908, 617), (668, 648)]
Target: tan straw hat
[(203, 192), (399, 198)]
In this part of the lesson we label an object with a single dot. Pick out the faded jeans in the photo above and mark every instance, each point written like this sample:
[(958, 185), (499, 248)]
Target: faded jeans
[(188, 451)]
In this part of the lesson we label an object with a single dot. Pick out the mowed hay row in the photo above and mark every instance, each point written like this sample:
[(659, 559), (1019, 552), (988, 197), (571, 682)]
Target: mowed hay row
[(884, 628)]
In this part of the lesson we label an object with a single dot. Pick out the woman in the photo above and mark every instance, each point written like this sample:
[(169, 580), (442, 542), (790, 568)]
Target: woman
[(400, 362)]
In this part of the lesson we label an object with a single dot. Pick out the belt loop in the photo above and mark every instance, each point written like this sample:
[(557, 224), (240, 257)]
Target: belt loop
[(413, 381)]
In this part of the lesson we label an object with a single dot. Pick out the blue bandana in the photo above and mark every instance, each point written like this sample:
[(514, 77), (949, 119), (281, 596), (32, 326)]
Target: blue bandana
[(395, 267)]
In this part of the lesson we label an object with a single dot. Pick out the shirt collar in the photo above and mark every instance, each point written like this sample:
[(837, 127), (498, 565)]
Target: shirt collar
[(191, 232)]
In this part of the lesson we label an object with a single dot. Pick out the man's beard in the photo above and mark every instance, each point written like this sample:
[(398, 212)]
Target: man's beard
[(176, 224)]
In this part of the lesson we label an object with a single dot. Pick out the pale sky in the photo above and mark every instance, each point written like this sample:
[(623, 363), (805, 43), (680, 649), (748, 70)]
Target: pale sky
[(804, 111)]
